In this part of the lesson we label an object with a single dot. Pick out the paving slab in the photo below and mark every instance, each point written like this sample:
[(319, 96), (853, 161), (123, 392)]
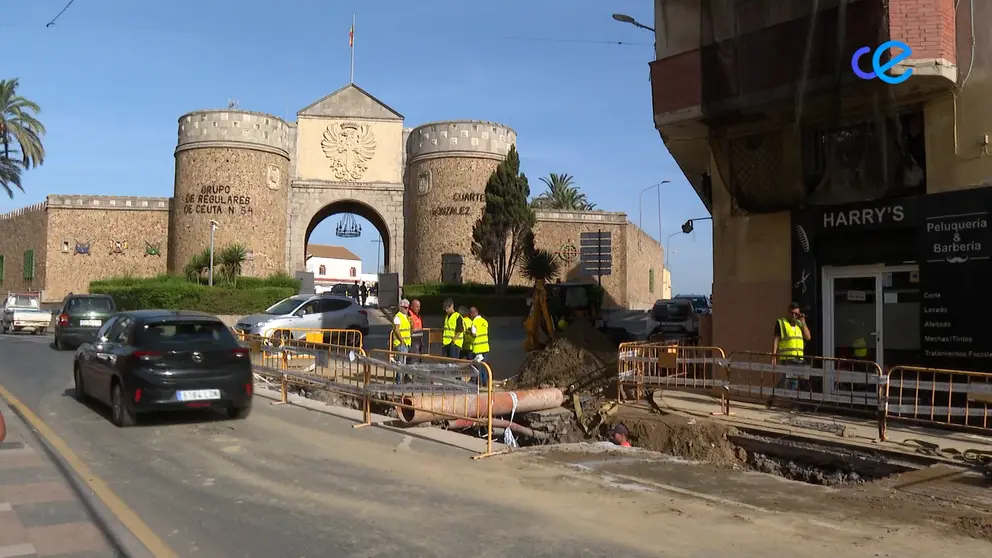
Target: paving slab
[(40, 513)]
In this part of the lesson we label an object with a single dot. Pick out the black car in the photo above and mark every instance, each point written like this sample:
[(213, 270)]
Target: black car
[(157, 360), (79, 318)]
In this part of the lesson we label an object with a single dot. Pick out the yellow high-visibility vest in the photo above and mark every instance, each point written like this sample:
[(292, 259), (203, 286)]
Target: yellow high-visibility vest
[(405, 331), (860, 348), (480, 343), (449, 336), (790, 340)]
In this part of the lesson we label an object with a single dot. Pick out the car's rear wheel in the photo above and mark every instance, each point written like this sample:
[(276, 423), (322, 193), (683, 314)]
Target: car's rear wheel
[(239, 413), (57, 343), (121, 410), (77, 389)]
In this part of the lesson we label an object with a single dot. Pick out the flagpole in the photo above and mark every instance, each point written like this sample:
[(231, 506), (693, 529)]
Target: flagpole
[(352, 48)]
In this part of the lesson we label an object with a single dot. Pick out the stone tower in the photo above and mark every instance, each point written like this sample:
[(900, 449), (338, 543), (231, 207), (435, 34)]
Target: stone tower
[(232, 167), (448, 165)]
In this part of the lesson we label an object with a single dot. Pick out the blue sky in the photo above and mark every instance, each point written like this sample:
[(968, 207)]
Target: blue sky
[(113, 77)]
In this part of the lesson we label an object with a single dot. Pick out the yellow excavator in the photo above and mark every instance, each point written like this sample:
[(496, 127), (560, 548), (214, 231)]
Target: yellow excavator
[(554, 305)]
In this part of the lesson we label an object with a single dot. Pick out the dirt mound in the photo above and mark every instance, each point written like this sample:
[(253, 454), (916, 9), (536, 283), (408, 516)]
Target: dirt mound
[(579, 360), (689, 438)]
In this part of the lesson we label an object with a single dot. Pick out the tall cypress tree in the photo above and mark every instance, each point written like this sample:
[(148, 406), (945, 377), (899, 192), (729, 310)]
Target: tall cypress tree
[(504, 232)]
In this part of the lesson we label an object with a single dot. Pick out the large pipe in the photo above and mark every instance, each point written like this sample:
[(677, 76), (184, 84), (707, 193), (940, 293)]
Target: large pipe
[(498, 426), (424, 407)]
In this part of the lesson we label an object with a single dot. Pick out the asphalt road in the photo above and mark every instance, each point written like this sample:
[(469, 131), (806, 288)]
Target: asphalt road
[(284, 482), (288, 482)]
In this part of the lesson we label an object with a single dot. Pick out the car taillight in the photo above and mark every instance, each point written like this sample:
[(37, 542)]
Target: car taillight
[(137, 395), (240, 352), (363, 312), (146, 355), (248, 388), (63, 319)]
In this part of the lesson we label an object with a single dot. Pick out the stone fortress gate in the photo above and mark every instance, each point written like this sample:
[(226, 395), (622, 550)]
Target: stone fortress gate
[(266, 184)]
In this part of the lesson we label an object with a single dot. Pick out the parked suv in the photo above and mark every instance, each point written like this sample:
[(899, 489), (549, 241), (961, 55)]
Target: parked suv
[(701, 303), (79, 317), (302, 312), (677, 319)]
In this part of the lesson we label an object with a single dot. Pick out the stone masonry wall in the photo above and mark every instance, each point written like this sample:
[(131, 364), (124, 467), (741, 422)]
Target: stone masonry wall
[(448, 166), (20, 230), (644, 260), (559, 232), (245, 190), (124, 235), (441, 220)]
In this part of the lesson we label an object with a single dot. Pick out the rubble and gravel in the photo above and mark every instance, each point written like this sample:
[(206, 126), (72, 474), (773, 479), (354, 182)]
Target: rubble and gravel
[(580, 359)]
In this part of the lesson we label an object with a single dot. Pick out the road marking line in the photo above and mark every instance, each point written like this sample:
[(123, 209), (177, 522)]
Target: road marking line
[(155, 545), (14, 550)]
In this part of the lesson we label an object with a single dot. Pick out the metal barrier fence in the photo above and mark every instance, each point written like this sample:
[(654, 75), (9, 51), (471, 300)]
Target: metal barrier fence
[(825, 382), (340, 337), (668, 365), (432, 389), (431, 337), (938, 396)]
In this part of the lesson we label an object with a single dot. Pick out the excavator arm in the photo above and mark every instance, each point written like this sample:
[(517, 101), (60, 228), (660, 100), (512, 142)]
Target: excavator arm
[(539, 317)]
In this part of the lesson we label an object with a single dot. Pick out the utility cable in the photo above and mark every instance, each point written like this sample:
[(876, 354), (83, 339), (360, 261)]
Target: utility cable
[(58, 15)]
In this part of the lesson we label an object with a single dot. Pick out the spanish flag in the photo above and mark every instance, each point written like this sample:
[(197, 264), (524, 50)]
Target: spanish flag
[(351, 36)]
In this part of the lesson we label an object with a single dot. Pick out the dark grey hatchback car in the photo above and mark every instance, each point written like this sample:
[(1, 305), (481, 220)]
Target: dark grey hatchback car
[(79, 318), (160, 360)]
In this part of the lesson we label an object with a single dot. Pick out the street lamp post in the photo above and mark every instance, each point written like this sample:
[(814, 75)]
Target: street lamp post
[(624, 18), (210, 272), (378, 246), (640, 207)]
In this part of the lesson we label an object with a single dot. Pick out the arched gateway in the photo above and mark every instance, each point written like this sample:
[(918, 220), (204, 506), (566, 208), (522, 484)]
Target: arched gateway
[(349, 151)]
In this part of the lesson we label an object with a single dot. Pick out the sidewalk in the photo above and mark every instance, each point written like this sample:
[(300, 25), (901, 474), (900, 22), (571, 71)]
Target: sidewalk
[(835, 428), (40, 514)]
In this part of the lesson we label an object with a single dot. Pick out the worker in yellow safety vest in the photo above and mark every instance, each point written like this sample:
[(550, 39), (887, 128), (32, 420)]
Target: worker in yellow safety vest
[(480, 343), (860, 347), (791, 335), (466, 352), (402, 333), (452, 334)]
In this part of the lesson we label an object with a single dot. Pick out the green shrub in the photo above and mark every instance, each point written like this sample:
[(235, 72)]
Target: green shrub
[(452, 290), (172, 292), (489, 305)]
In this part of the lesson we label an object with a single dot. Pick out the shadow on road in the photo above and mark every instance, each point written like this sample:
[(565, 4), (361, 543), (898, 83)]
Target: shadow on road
[(163, 418)]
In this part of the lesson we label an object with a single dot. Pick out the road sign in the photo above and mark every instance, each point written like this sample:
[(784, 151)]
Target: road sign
[(596, 253)]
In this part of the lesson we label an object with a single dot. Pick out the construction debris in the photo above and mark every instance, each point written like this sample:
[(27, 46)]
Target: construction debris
[(580, 360)]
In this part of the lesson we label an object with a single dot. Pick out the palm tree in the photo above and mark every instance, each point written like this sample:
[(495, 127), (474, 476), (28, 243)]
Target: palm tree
[(541, 267), (562, 194), (197, 265), (232, 260), (20, 135), (10, 175)]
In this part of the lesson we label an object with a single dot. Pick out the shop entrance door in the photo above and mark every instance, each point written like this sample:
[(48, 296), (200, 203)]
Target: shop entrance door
[(859, 305)]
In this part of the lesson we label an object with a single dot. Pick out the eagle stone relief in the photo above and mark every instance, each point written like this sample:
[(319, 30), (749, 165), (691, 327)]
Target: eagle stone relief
[(348, 147)]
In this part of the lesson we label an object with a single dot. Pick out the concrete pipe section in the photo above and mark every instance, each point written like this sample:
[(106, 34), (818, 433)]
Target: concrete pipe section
[(421, 408)]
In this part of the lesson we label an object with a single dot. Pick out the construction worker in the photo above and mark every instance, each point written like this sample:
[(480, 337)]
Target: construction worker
[(466, 352), (402, 332), (480, 343), (419, 344), (620, 436), (452, 334), (791, 335)]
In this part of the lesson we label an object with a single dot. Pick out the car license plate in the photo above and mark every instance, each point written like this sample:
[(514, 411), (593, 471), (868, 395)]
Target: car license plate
[(90, 322), (198, 395)]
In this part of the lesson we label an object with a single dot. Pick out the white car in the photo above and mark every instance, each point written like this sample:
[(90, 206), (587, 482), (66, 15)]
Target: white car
[(307, 312)]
